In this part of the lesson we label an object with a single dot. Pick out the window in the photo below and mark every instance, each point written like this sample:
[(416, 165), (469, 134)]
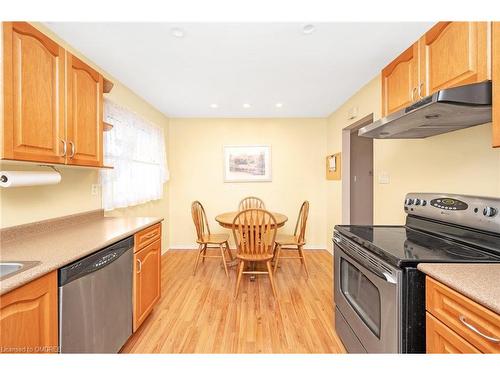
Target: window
[(136, 149)]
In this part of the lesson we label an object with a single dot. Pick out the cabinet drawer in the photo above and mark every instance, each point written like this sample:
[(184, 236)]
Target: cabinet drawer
[(147, 236), (442, 340), (467, 318)]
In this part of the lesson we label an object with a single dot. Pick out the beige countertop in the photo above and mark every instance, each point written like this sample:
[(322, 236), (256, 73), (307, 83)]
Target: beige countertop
[(479, 282), (59, 245)]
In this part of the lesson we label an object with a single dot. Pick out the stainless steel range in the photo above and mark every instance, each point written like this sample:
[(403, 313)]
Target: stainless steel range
[(379, 293)]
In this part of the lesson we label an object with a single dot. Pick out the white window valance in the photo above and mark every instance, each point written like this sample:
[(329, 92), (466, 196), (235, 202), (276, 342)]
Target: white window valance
[(135, 148)]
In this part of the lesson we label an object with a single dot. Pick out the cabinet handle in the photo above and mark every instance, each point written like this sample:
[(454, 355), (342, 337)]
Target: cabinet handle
[(140, 266), (420, 87), (65, 147), (413, 92), (148, 236), (72, 144), (474, 329)]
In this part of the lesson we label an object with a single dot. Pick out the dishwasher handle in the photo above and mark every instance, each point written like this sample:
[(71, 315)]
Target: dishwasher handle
[(94, 262)]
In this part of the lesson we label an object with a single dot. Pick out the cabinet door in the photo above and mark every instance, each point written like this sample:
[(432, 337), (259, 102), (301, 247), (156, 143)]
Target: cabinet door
[(146, 281), (400, 81), (33, 95), (28, 317), (84, 114), (453, 54), (495, 58), (442, 340)]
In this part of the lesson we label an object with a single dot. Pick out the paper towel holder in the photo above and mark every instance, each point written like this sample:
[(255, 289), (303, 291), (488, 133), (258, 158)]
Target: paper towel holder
[(50, 166), (4, 178)]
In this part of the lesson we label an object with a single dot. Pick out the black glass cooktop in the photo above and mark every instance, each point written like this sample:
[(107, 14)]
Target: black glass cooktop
[(403, 246)]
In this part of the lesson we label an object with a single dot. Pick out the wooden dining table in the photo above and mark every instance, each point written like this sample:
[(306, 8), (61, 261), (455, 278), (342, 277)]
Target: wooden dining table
[(226, 219)]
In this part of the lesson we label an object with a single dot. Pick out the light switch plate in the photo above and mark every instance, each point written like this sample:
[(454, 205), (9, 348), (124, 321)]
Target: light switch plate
[(384, 178), (95, 189)]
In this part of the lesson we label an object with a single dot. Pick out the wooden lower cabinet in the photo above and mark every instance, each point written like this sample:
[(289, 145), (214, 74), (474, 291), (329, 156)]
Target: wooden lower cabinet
[(442, 340), (456, 324), (28, 317), (147, 273)]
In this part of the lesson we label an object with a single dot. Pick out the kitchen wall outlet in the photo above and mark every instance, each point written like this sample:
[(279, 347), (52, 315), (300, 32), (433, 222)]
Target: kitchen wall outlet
[(384, 178), (95, 189)]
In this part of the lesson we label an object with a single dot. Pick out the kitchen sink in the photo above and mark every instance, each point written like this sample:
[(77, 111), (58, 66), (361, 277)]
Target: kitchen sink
[(8, 269)]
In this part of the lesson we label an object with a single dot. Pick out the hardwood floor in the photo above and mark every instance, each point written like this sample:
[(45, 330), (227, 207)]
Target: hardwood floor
[(198, 314)]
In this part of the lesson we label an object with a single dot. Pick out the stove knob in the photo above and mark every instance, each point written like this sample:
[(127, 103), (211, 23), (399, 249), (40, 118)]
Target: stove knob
[(417, 202), (409, 201), (489, 211), (424, 203)]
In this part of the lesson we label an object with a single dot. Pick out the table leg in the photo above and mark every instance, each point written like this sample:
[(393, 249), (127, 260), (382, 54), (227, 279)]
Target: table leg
[(252, 268)]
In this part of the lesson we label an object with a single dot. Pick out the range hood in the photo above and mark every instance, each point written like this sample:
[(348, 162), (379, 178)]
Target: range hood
[(442, 112)]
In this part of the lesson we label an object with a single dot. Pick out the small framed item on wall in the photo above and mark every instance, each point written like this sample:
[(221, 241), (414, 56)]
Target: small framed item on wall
[(247, 163), (333, 167)]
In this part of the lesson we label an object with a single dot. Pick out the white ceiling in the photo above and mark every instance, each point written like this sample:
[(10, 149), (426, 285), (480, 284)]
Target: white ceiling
[(231, 64)]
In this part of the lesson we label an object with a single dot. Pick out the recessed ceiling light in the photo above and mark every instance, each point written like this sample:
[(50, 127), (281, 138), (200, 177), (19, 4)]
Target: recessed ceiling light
[(308, 29), (213, 105), (246, 105), (177, 32), (279, 105)]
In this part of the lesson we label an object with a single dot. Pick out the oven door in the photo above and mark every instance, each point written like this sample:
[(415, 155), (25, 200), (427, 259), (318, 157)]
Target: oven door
[(368, 296)]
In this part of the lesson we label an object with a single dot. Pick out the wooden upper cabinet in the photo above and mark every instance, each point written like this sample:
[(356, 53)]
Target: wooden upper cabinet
[(33, 95), (28, 317), (84, 113), (52, 101), (495, 73), (399, 81), (453, 54), (450, 54), (147, 265)]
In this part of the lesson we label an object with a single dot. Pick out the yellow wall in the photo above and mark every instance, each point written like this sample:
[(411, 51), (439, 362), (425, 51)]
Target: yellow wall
[(196, 167), (73, 194), (460, 162)]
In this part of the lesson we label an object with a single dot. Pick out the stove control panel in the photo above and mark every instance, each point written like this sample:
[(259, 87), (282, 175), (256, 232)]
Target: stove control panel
[(449, 204), (467, 210)]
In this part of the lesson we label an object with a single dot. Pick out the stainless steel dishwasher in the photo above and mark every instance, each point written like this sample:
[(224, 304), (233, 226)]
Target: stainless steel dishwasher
[(95, 301)]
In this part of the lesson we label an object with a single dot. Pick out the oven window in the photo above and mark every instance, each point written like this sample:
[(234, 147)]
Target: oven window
[(362, 294)]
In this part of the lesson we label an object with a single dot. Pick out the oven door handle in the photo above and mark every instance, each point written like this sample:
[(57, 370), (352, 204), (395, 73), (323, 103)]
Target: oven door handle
[(389, 278), (383, 275)]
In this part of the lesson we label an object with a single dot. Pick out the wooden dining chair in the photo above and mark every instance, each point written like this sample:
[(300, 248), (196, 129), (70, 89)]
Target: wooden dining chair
[(254, 232), (207, 240), (251, 202), (295, 241)]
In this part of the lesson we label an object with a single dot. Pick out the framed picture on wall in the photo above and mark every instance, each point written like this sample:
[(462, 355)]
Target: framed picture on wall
[(247, 163)]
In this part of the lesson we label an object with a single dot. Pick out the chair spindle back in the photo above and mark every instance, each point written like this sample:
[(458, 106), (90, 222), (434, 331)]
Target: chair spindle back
[(254, 232)]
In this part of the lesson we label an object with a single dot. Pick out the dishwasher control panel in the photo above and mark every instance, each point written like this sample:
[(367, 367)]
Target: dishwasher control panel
[(106, 259), (95, 261)]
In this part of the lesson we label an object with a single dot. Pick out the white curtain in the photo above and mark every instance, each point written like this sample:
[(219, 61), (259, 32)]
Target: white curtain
[(136, 149)]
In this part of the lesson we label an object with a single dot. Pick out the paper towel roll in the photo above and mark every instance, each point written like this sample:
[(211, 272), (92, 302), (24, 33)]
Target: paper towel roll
[(23, 178)]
